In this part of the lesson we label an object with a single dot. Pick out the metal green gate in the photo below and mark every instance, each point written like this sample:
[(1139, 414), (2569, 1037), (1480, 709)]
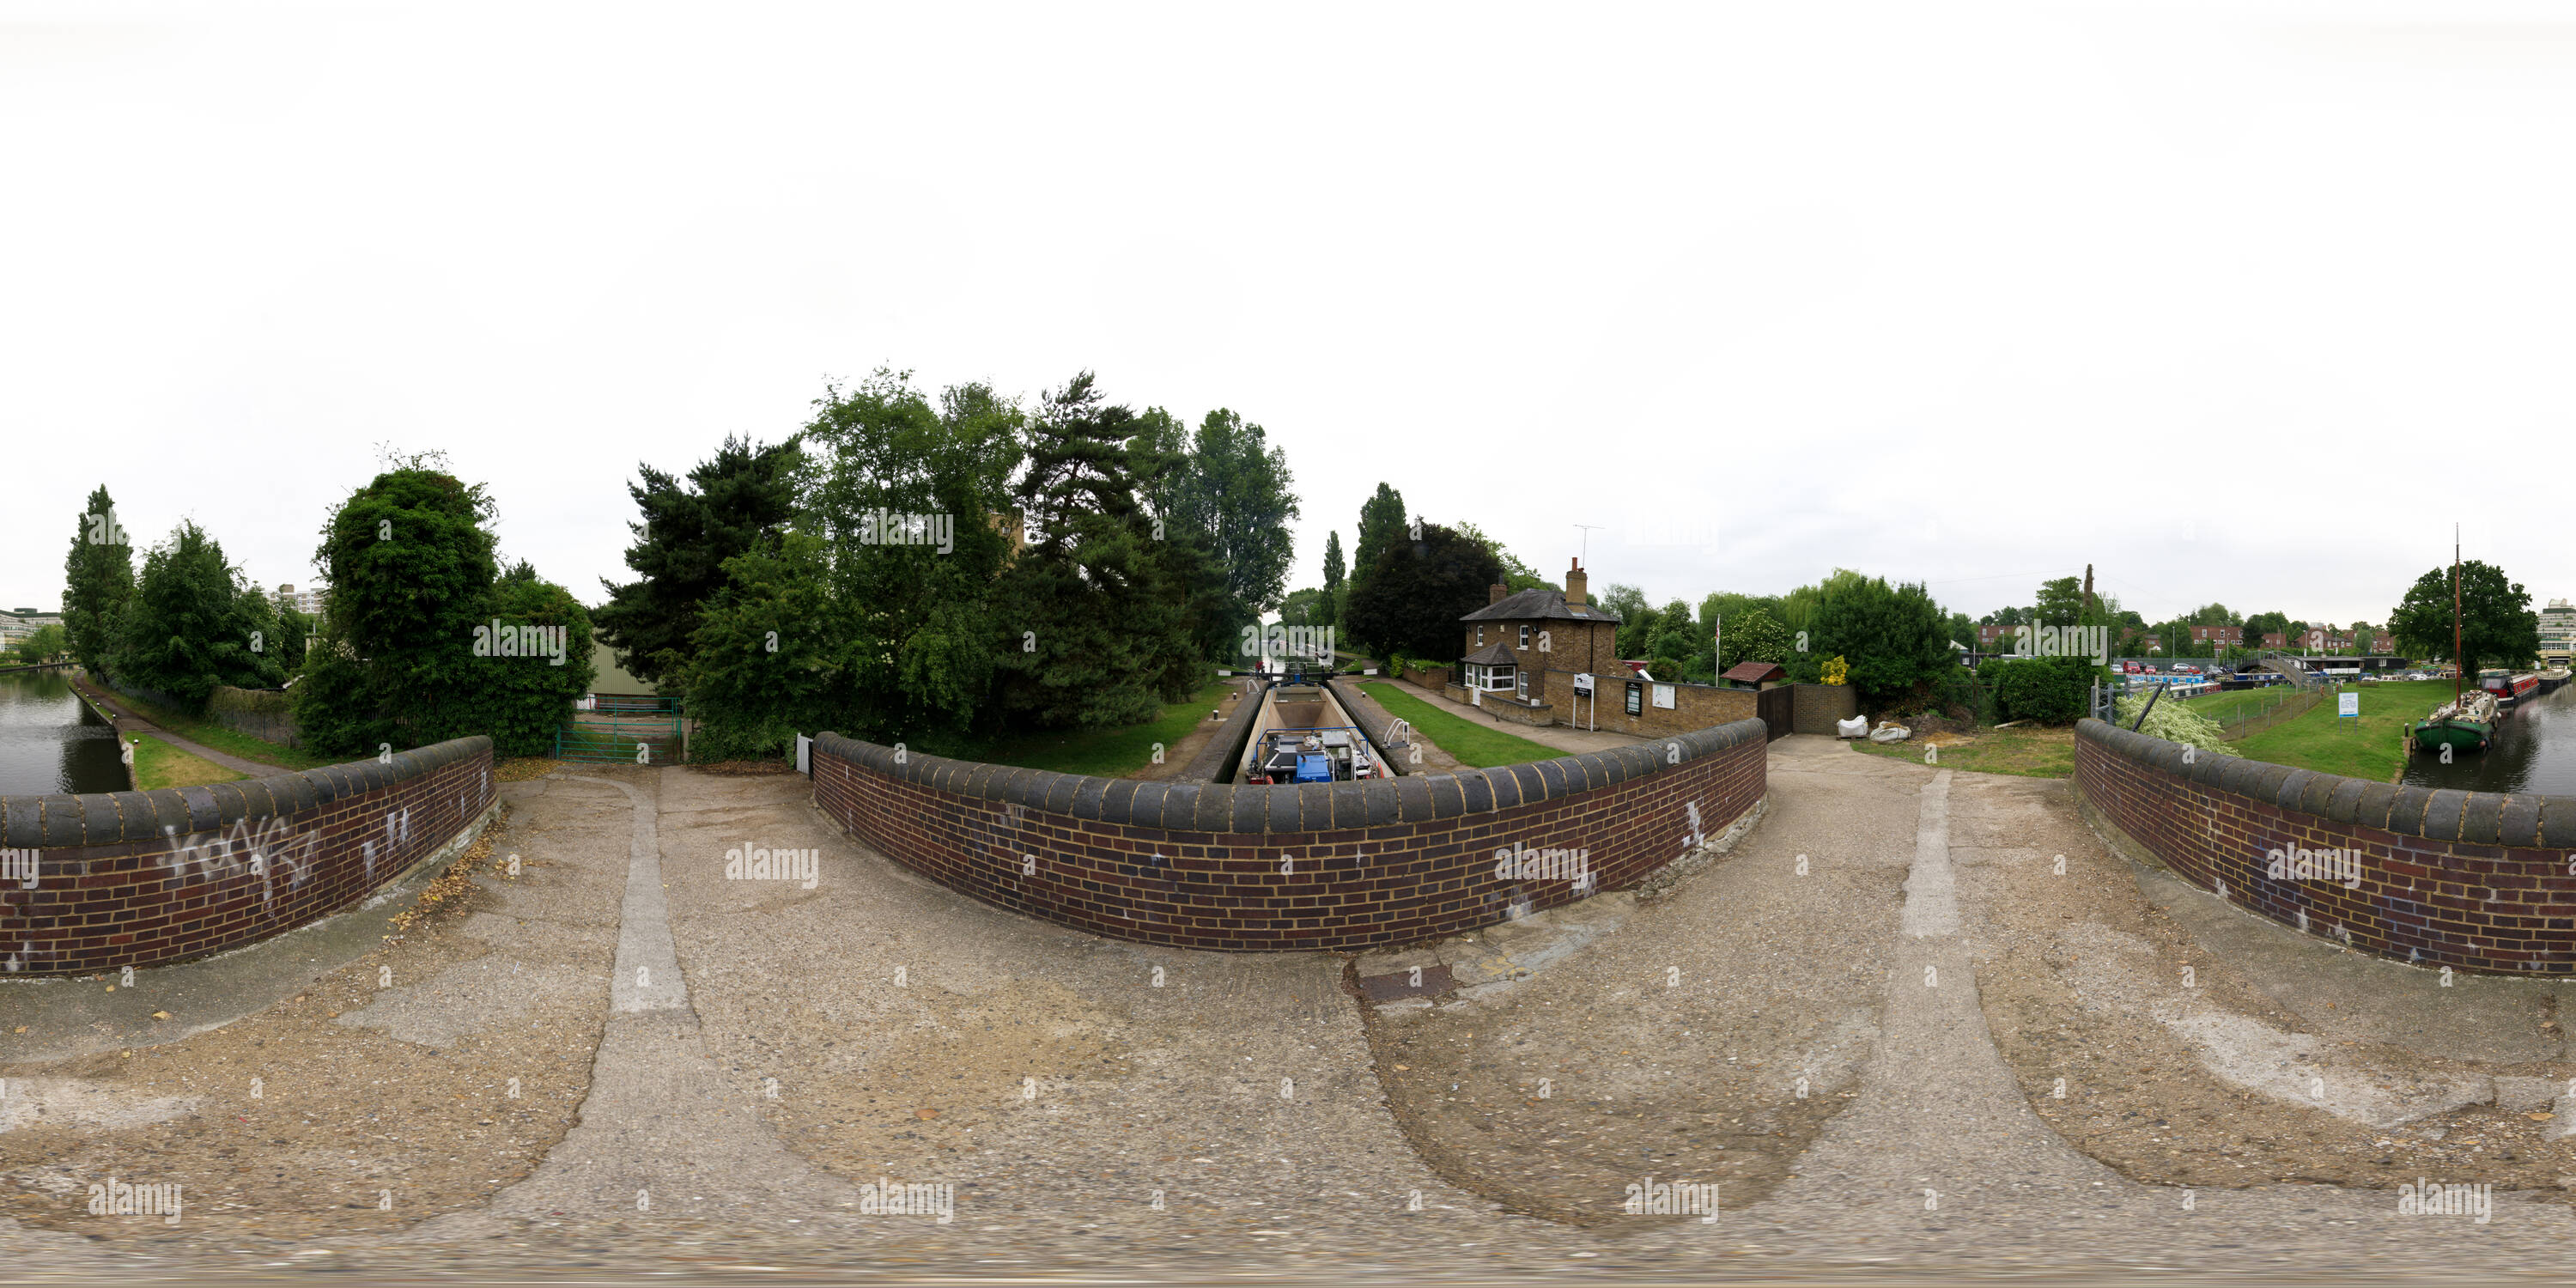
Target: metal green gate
[(615, 742)]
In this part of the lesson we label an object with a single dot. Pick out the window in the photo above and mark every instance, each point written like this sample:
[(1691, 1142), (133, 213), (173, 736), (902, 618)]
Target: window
[(1480, 637), (1524, 637), (1523, 686), (1492, 679)]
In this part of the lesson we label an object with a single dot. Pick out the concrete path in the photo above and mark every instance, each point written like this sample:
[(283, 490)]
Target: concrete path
[(128, 724), (784, 1022)]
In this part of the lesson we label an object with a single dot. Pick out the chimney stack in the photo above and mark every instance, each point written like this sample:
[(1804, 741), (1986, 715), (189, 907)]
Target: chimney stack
[(1495, 594), (1576, 585)]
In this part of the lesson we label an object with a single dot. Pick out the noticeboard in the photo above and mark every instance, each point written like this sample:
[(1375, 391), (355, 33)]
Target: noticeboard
[(1636, 698), (1583, 682), (2347, 703)]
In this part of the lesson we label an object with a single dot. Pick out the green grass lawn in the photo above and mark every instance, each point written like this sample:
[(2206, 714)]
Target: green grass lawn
[(1105, 753), (2370, 747), (1480, 746), (2032, 751), (2238, 705), (157, 764), (223, 738)]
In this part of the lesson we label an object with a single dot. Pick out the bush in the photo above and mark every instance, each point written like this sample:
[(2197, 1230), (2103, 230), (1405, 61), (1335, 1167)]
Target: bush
[(2050, 690), (2176, 722)]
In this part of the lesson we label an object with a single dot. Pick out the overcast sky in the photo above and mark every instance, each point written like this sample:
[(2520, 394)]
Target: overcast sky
[(2243, 302)]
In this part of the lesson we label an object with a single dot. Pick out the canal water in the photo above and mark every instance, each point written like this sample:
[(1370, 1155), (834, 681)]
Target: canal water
[(50, 740), (2534, 751)]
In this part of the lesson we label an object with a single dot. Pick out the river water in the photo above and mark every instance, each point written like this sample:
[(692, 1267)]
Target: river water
[(2534, 751), (50, 741)]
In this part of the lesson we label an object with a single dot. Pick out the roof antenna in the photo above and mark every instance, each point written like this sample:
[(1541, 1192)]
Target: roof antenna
[(1587, 537)]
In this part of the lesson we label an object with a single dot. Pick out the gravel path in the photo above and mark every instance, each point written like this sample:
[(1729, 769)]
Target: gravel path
[(769, 1051)]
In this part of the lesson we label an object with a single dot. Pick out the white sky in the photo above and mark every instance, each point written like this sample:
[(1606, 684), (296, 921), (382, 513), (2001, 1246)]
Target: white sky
[(1960, 293)]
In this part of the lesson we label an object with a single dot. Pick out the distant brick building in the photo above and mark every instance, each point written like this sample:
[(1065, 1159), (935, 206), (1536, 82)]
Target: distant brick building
[(2218, 635), (1514, 639), (2276, 639)]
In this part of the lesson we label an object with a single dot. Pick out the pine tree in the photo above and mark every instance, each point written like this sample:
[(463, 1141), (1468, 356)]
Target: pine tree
[(98, 579)]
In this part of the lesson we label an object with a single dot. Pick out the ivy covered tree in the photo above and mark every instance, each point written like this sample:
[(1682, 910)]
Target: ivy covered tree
[(98, 577), (410, 559), (193, 623)]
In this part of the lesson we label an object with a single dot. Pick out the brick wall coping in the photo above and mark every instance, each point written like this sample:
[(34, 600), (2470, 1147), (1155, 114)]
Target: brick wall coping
[(56, 820), (2526, 821), (1293, 807)]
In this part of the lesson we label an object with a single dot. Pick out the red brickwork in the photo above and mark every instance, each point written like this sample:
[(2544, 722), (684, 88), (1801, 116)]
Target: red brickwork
[(146, 878), (1292, 867), (2472, 880)]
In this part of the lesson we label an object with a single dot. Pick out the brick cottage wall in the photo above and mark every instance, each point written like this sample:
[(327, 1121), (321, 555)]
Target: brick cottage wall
[(148, 878), (1200, 865), (2473, 880)]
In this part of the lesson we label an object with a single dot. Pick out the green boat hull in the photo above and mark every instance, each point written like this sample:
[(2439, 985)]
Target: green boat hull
[(2459, 735)]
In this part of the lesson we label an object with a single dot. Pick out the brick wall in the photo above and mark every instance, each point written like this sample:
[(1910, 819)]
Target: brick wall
[(2471, 880), (1434, 678), (1818, 706), (1695, 706), (146, 878), (1200, 865)]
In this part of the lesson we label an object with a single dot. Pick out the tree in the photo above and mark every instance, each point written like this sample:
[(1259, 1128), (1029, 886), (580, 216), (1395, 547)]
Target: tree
[(1753, 636), (2215, 615), (1412, 598), (1517, 576), (2496, 621), (909, 633), (765, 663), (192, 624), (1098, 614), (1678, 646), (1382, 526), (1961, 630), (1891, 636), (2061, 602), (519, 700), (43, 644), (408, 652), (1331, 603), (732, 503), (1304, 608), (98, 577)]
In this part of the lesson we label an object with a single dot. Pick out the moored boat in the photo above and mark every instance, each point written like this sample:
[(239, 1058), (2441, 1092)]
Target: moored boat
[(2466, 723), (2509, 687)]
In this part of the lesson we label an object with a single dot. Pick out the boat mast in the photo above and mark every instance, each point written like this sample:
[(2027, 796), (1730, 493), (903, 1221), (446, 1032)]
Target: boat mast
[(2459, 659)]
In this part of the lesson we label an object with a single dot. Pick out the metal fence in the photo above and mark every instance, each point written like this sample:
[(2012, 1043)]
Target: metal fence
[(620, 742)]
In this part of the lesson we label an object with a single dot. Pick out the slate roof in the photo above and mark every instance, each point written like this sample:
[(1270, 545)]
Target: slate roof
[(1540, 604), (1492, 655)]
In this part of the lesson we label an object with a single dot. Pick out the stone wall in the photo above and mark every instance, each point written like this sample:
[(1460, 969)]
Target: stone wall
[(2472, 880), (1292, 867), (146, 878)]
